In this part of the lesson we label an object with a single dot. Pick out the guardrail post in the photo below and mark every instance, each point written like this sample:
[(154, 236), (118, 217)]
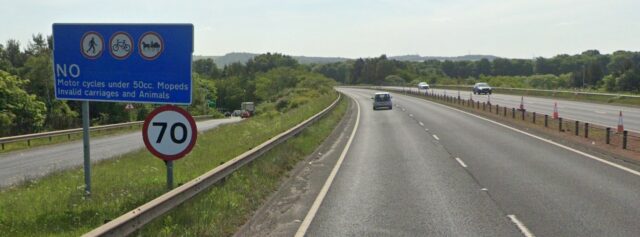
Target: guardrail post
[(513, 113), (524, 112), (484, 106), (546, 120), (505, 111), (534, 117), (586, 130), (497, 109), (478, 104), (560, 124), (49, 138), (608, 136), (625, 133), (2, 146), (28, 142), (577, 128)]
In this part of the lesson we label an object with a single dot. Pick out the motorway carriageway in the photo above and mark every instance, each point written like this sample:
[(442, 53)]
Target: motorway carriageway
[(594, 113), (424, 169)]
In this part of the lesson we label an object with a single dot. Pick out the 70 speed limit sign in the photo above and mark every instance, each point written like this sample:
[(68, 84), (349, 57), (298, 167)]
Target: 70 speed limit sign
[(169, 132)]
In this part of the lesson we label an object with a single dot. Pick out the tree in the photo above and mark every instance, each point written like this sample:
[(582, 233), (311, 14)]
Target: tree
[(206, 68), (356, 74), (483, 67), (20, 112), (14, 55)]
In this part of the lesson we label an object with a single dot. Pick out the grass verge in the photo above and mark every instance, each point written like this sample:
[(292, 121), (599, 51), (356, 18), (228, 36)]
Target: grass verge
[(224, 208), (55, 205)]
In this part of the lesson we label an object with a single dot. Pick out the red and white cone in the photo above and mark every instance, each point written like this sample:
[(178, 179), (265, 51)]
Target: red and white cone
[(522, 103), (555, 111), (620, 124)]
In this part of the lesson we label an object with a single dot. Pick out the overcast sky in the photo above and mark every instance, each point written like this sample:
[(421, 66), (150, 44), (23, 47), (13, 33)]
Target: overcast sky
[(358, 28)]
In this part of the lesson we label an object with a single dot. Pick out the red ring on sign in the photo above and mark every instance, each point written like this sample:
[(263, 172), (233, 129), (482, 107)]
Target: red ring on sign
[(140, 45), (192, 123), (111, 45), (82, 45)]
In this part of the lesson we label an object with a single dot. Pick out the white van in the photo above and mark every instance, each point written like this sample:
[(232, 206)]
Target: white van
[(382, 100)]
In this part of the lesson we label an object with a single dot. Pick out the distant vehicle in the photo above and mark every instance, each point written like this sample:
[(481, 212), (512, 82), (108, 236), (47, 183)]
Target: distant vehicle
[(236, 113), (227, 114), (382, 100), (423, 85), (249, 107), (482, 88), (245, 114)]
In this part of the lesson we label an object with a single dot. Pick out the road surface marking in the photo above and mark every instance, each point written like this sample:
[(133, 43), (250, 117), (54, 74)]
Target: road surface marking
[(426, 129), (599, 112), (421, 124), (484, 189), (635, 172), (525, 231), (461, 162), (302, 230), (436, 137), (410, 115)]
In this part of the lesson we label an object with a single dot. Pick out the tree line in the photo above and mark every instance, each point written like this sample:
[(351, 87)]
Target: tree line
[(619, 71), (28, 104)]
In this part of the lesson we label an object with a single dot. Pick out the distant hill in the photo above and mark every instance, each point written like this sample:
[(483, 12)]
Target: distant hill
[(418, 58), (230, 58)]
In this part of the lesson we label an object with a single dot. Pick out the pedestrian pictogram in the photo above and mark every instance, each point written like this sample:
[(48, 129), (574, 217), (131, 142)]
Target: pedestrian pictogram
[(121, 45), (91, 45), (128, 107), (150, 46)]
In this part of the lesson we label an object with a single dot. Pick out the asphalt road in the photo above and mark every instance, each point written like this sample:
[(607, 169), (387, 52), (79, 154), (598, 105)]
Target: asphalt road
[(37, 162), (602, 114), (401, 178)]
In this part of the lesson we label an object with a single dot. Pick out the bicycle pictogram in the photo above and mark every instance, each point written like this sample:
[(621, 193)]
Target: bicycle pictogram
[(121, 44)]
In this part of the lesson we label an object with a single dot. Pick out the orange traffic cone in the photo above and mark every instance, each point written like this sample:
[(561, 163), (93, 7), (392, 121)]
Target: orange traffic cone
[(555, 111), (620, 125), (522, 103)]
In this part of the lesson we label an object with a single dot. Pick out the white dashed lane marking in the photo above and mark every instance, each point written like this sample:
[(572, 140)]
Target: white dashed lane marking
[(461, 162)]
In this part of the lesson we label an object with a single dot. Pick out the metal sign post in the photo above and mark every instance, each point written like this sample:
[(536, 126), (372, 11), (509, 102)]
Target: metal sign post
[(169, 164), (86, 148)]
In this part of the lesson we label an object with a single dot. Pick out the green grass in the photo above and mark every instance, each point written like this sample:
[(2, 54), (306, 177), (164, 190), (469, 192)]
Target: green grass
[(14, 146), (221, 210), (55, 205)]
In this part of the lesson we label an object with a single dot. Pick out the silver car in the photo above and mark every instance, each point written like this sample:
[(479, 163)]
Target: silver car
[(382, 100)]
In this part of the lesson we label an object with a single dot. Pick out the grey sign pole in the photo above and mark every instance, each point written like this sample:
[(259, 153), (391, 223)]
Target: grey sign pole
[(87, 154), (169, 164)]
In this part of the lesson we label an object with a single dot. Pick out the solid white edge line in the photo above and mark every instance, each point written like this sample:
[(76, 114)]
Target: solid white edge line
[(525, 231), (461, 162), (635, 172), (436, 137), (421, 124), (302, 230)]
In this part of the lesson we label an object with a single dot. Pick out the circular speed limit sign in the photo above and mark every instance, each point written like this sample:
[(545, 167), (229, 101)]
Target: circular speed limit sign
[(169, 132)]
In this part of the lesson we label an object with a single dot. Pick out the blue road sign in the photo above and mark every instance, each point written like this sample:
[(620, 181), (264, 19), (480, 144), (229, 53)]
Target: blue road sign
[(140, 63)]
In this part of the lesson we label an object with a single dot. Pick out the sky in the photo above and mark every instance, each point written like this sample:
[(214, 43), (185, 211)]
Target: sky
[(358, 28)]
